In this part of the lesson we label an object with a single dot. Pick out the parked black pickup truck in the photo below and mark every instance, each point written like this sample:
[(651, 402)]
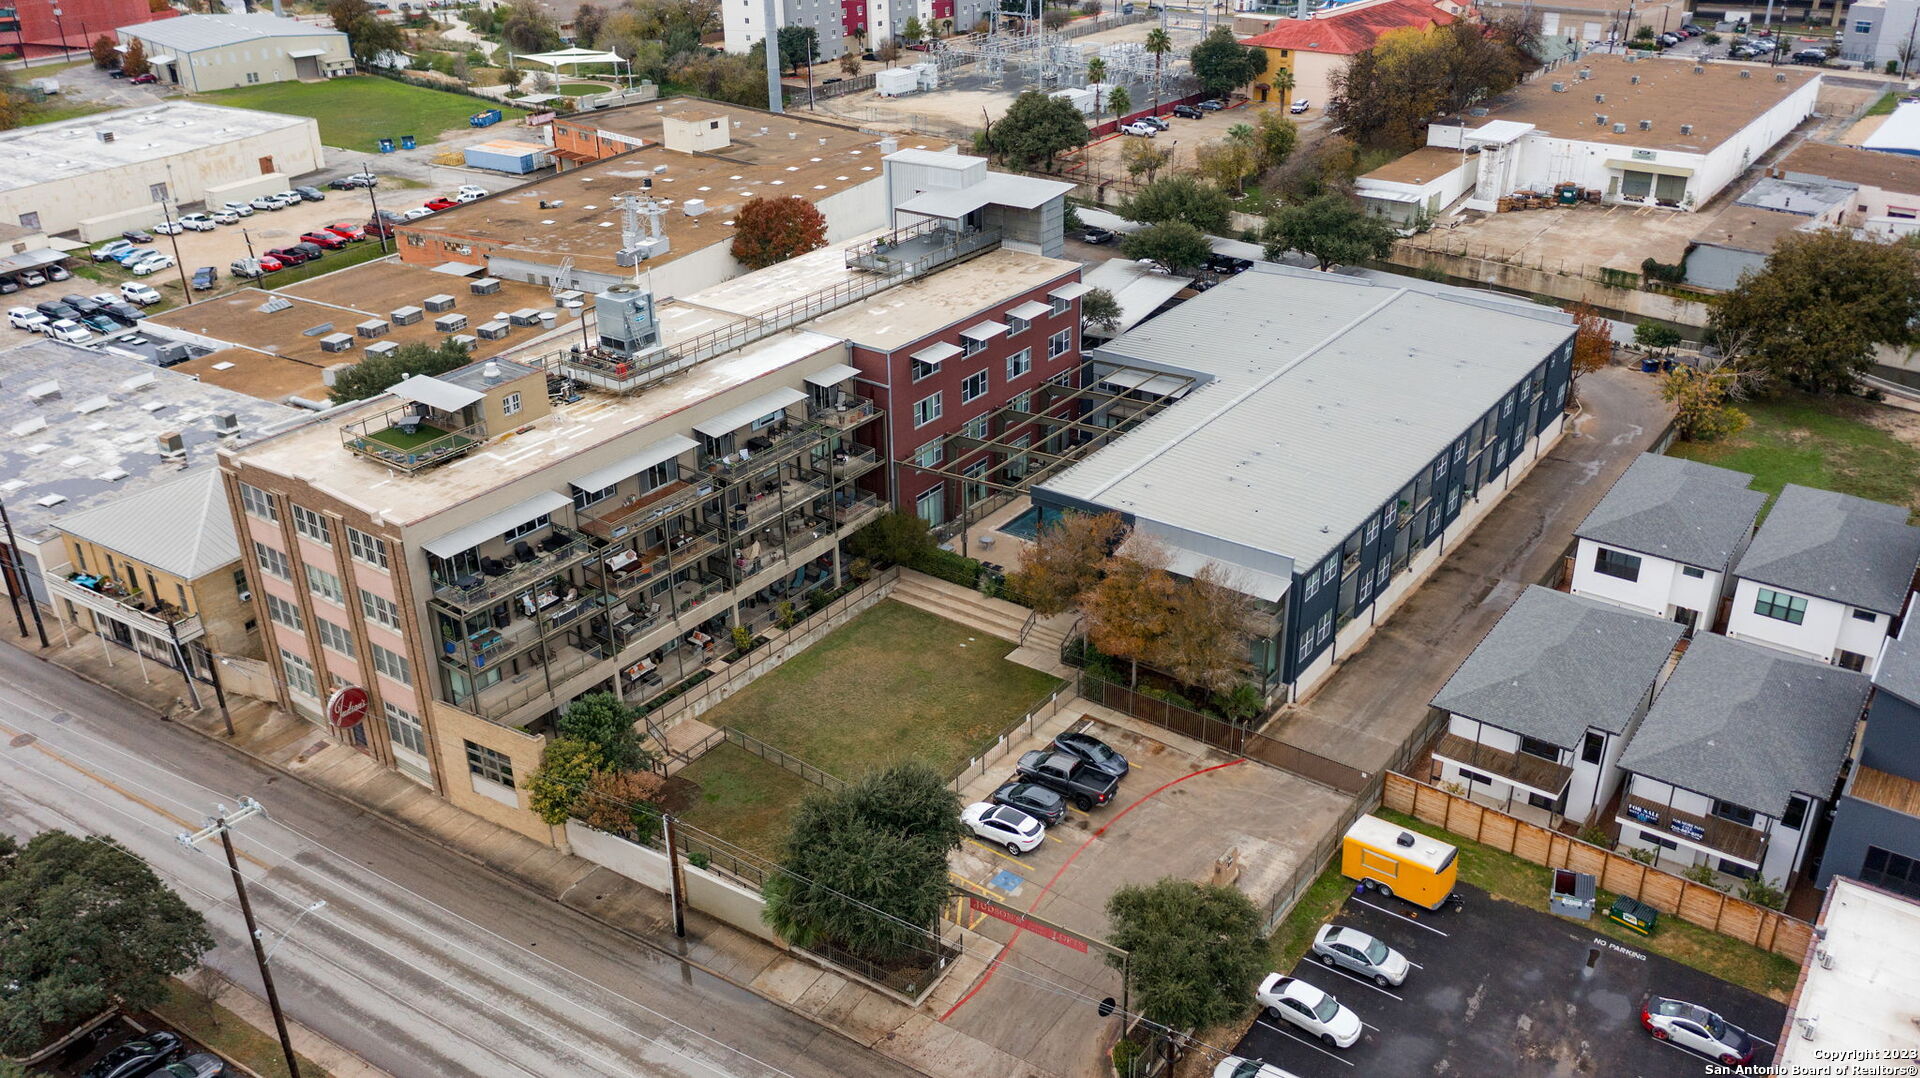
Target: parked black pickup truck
[(1073, 778)]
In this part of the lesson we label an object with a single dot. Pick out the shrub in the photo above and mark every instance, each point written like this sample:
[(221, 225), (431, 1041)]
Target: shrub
[(742, 639)]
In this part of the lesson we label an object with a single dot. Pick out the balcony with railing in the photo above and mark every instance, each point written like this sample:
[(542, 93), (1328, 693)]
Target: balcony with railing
[(919, 248), (857, 411), (854, 461), (131, 606), (851, 513), (1725, 837), (521, 567), (531, 691), (401, 437), (621, 520)]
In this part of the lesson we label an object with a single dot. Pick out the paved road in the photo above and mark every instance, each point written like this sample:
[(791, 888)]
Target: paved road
[(422, 962)]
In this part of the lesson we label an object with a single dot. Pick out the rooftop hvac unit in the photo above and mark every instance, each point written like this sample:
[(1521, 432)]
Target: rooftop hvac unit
[(406, 316), (337, 342), (1633, 80), (372, 327), (106, 136), (465, 340), (1586, 73), (172, 444), (1699, 69), (492, 331), (1686, 129), (1745, 74), (694, 207), (485, 286), (1600, 119), (1779, 76), (447, 323), (1559, 87), (1599, 99), (226, 422), (384, 348), (436, 304), (1646, 125), (525, 316), (1619, 129)]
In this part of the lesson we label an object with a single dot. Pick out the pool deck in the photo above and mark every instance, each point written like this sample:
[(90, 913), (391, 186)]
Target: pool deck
[(1001, 548)]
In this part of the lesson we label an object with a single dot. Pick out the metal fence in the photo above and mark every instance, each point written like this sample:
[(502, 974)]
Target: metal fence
[(1022, 727), (782, 758)]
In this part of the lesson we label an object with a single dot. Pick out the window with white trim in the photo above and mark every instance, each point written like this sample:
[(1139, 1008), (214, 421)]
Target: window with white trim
[(970, 346), (1060, 306), (335, 636), (584, 498), (1016, 324), (299, 674), (271, 561), (1060, 344), (926, 410), (974, 387), (284, 613), (367, 548), (325, 585), (1019, 363), (510, 404), (391, 664), (404, 729), (975, 428), (258, 503), (659, 475), (529, 527), (919, 370), (930, 455), (312, 525), (1022, 401), (379, 610)]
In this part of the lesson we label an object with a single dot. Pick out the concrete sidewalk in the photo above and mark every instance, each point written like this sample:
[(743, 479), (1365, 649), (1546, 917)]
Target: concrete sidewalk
[(900, 1032)]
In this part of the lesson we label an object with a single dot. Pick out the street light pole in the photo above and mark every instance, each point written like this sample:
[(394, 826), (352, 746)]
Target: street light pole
[(221, 825), (26, 585)]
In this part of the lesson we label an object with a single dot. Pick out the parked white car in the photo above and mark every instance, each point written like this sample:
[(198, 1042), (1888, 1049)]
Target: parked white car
[(1299, 106), (1294, 1000), (197, 222), (67, 330), (287, 198), (416, 213), (135, 292), (265, 202), (226, 217), (168, 228), (469, 192), (238, 209), (1140, 128), (108, 251), (152, 265), (25, 318), (1236, 1067), (1004, 825)]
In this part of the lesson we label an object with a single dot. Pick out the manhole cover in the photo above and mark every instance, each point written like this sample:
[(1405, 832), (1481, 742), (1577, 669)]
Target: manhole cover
[(23, 740)]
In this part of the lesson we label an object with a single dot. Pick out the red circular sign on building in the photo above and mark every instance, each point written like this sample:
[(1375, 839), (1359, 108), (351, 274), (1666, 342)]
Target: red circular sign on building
[(347, 707)]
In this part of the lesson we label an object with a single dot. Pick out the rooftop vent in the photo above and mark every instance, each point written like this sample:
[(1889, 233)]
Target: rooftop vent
[(491, 372), (1619, 129), (106, 136), (226, 422), (172, 445), (1559, 87), (1699, 69), (1633, 80), (1745, 74), (43, 391), (1686, 129), (1600, 119), (1779, 76), (1586, 73), (1646, 125), (1599, 99)]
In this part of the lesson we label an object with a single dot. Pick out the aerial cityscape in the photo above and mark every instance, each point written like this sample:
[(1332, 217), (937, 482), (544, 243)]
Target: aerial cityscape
[(1021, 539)]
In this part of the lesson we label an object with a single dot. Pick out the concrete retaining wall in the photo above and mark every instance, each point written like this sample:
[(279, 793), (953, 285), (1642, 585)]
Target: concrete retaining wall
[(1561, 286), (707, 892)]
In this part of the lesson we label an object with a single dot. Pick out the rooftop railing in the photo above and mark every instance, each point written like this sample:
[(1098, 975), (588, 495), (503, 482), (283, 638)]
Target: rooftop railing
[(399, 438)]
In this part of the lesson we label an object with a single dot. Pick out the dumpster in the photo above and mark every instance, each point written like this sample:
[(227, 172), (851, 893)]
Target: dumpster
[(1572, 893), (386, 145), (1634, 914), (406, 142), (484, 119)]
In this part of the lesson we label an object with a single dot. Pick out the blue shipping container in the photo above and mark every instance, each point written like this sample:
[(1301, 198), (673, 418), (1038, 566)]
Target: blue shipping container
[(517, 162)]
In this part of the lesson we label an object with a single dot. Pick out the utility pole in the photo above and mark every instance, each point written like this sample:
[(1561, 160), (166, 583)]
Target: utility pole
[(676, 883), (219, 693), (26, 585), (220, 825), (379, 225), (14, 576)]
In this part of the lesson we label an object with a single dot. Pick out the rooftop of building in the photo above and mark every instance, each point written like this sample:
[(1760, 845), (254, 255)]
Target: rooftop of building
[(1324, 396), (1140, 290), (1899, 669), (48, 153), (942, 300), (1748, 724), (646, 121), (189, 33), (573, 214), (257, 374), (1849, 164), (85, 426), (1803, 195), (1867, 996), (1748, 228), (1717, 99), (1898, 134), (1351, 28), (181, 527), (1835, 546), (1677, 509), (1424, 165), (1556, 664)]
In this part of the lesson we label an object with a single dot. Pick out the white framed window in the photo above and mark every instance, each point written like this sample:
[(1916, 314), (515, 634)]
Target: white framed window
[(584, 498), (1325, 629), (272, 561), (969, 346), (1060, 306), (926, 410), (367, 548), (930, 455), (284, 613), (391, 664), (660, 475), (379, 610), (258, 503), (335, 636), (299, 674), (404, 729), (1373, 530), (1306, 647), (974, 387), (529, 527), (1060, 344), (325, 585), (1310, 586), (312, 525), (1019, 363), (1021, 401), (920, 370), (510, 404), (1016, 324), (976, 428)]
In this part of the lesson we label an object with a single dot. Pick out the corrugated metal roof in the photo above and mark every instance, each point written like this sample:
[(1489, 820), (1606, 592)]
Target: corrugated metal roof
[(183, 527), (1323, 396), (189, 33)]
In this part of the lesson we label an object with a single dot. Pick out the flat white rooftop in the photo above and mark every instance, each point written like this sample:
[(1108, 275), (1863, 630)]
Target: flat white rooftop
[(1869, 1000), (48, 153)]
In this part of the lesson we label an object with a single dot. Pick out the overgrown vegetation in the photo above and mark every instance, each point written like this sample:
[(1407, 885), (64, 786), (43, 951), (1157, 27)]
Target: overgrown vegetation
[(768, 231), (374, 375), (1386, 95)]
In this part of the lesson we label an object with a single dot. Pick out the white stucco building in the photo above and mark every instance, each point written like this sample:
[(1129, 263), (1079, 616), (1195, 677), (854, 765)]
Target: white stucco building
[(1664, 538), (1826, 577), (214, 52), (1653, 132)]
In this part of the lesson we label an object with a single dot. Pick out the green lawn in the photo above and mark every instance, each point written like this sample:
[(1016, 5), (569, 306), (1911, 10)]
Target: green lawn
[(356, 113), (576, 89), (1886, 104), (1817, 442), (743, 798), (53, 110), (401, 440), (229, 1035)]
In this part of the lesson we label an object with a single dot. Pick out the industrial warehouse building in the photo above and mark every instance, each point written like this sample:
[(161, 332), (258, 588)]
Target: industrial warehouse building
[(214, 52), (102, 174)]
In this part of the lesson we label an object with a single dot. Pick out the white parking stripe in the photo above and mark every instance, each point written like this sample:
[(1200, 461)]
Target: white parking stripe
[(1403, 917), (1414, 964), (1764, 1041), (1357, 979), (1310, 1043)]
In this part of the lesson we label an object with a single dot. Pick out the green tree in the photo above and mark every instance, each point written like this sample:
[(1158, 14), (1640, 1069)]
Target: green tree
[(86, 925), (1142, 157), (1228, 162), (1176, 245), (377, 374), (367, 35), (1096, 76), (1813, 316), (1383, 97), (1283, 83), (567, 765), (1222, 64), (527, 27), (912, 30), (894, 538), (1274, 137), (1329, 229), (1158, 44), (1703, 403), (1036, 128), (1120, 101), (798, 45), (866, 867), (767, 231), (587, 21), (611, 727), (1100, 310), (103, 51), (1179, 198), (1655, 337), (1195, 951)]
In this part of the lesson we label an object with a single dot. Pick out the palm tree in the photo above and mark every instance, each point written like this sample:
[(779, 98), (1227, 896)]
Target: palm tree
[(1283, 85), (1096, 74), (1159, 43)]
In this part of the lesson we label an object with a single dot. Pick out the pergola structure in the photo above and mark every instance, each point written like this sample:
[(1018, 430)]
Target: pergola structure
[(573, 58), (1002, 454)]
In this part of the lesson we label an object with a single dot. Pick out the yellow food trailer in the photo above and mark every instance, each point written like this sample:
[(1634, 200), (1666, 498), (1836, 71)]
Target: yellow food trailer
[(1397, 861)]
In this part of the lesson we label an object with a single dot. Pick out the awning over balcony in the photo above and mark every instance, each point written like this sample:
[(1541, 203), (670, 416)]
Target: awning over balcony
[(832, 376), (734, 418), (1031, 310), (436, 394), (985, 331), (933, 354), (1527, 773), (498, 524), (665, 449)]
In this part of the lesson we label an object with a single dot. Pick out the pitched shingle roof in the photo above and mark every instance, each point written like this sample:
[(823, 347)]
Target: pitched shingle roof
[(1835, 546), (183, 527), (1899, 668), (1747, 724), (1676, 509), (1556, 664), (1350, 30)]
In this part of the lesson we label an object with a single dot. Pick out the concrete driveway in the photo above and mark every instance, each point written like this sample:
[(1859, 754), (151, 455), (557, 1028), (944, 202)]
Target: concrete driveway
[(1377, 698), (1182, 807)]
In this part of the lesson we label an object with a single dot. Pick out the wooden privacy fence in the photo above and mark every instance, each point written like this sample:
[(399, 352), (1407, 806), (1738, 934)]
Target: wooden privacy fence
[(1675, 896)]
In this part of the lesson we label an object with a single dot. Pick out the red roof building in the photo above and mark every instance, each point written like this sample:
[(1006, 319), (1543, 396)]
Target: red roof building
[(33, 27), (1312, 48)]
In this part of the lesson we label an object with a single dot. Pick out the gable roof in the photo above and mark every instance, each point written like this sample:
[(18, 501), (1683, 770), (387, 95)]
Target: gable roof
[(183, 527), (189, 33), (1835, 546), (1556, 664), (1898, 671), (1681, 510), (1351, 29), (1747, 724)]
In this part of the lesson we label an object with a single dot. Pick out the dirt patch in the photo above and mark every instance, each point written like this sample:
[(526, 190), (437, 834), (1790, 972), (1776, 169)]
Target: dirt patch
[(1898, 419)]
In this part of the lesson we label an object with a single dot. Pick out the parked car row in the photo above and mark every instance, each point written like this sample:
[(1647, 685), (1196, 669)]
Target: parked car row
[(160, 1054), (33, 278), (75, 319), (1076, 768), (128, 253), (310, 246)]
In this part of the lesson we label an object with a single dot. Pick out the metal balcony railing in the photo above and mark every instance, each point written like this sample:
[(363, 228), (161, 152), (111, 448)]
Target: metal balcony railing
[(130, 606), (549, 558)]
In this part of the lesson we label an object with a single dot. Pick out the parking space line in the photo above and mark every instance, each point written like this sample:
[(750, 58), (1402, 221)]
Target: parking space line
[(1764, 1041), (1001, 854), (1313, 1044), (1414, 964), (1358, 980), (1402, 916)]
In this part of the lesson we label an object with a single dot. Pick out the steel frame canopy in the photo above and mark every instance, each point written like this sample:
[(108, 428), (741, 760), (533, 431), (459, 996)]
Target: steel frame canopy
[(574, 58)]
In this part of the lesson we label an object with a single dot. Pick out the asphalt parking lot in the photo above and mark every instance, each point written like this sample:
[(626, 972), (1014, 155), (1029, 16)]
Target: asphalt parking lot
[(1499, 989)]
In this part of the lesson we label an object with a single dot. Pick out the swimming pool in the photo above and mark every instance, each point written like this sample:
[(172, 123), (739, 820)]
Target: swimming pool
[(1028, 524)]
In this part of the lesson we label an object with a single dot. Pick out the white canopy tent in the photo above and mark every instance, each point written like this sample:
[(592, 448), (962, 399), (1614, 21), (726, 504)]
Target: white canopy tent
[(573, 58)]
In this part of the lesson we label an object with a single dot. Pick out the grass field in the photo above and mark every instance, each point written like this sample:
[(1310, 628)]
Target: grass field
[(896, 683), (356, 113), (575, 89), (1817, 442), (229, 1035), (1886, 104), (54, 110)]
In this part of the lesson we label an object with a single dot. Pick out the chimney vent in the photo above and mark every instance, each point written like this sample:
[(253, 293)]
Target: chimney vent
[(1646, 125), (1686, 129)]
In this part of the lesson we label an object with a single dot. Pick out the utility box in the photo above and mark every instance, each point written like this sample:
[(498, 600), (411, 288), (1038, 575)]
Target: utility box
[(436, 304), (447, 323), (492, 331), (485, 286), (406, 316)]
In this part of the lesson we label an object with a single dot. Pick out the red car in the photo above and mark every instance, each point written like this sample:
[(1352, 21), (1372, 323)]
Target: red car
[(439, 204), (348, 232), (379, 228), (145, 80), (287, 256), (268, 264), (323, 239)]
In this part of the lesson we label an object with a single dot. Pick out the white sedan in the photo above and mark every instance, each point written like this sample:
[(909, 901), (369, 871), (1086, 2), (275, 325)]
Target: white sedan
[(1236, 1067), (1313, 1010), (1005, 826)]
